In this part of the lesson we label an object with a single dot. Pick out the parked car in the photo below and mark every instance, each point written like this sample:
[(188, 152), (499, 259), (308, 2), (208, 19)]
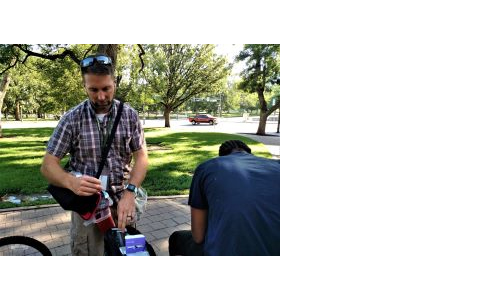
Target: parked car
[(203, 118)]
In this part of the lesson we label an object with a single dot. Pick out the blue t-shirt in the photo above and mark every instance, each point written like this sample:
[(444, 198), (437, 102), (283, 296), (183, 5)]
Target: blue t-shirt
[(242, 194)]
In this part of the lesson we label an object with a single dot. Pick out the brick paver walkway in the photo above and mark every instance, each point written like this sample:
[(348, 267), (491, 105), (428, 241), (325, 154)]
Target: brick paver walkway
[(50, 225)]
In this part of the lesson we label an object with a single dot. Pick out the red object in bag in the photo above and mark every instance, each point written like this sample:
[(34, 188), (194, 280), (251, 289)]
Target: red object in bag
[(106, 224), (88, 215), (104, 219)]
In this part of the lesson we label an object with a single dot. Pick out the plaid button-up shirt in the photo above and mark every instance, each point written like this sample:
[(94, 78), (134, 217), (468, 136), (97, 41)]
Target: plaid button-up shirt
[(78, 134)]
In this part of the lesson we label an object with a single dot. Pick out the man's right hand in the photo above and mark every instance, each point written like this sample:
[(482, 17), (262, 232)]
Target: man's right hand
[(85, 185)]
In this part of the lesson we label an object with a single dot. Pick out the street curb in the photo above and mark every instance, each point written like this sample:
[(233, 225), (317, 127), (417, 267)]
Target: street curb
[(152, 198)]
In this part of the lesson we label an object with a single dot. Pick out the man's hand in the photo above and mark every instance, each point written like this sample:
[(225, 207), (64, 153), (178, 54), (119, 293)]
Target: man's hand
[(85, 185), (126, 209)]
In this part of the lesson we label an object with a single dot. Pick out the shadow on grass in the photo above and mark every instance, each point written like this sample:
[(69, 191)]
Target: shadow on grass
[(174, 177), (23, 144), (28, 132), (199, 139), (172, 161)]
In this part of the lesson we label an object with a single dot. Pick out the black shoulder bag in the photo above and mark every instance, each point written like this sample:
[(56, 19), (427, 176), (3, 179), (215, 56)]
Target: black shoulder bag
[(85, 205)]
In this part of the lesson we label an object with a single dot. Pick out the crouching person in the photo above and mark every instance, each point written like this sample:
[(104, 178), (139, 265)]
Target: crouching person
[(235, 206)]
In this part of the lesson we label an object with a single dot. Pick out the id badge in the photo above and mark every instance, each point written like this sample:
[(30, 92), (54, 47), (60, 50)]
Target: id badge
[(104, 182)]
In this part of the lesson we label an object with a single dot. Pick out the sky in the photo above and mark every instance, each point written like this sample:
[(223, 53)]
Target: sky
[(230, 51)]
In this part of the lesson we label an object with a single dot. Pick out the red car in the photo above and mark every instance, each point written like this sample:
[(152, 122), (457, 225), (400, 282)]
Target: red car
[(203, 118)]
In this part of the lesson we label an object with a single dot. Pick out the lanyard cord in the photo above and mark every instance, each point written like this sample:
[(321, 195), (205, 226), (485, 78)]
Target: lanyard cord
[(109, 140), (103, 136), (104, 132)]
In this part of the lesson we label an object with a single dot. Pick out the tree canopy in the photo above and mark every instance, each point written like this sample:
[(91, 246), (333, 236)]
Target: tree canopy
[(261, 73), (45, 78), (177, 73)]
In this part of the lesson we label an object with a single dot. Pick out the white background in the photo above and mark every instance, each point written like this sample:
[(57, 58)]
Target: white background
[(396, 198)]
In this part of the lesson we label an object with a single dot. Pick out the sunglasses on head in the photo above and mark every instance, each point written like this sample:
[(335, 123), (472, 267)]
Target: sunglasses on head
[(99, 59)]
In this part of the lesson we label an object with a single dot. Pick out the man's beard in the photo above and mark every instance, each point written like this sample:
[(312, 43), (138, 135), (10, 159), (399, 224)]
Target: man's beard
[(98, 107)]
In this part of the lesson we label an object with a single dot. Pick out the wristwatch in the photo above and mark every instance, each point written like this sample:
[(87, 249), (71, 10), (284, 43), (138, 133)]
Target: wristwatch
[(132, 188)]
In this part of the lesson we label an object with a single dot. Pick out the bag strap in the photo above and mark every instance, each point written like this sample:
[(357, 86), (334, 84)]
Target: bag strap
[(109, 141)]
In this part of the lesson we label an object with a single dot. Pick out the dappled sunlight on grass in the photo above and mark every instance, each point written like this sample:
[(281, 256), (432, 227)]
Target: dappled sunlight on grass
[(28, 133), (22, 153), (173, 157), (152, 132)]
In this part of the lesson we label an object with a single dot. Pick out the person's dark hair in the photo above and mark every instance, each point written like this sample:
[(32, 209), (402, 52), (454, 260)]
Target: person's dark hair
[(98, 68), (228, 147)]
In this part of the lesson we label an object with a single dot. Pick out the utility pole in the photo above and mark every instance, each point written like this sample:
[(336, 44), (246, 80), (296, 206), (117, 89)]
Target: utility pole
[(220, 106), (279, 113), (144, 115)]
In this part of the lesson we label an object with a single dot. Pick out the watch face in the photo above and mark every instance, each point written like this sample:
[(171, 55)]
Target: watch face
[(131, 188)]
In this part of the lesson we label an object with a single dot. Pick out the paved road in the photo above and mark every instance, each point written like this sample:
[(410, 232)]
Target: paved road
[(227, 125)]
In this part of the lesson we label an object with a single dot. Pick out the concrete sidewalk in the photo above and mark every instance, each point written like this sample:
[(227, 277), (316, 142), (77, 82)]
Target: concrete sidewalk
[(51, 224)]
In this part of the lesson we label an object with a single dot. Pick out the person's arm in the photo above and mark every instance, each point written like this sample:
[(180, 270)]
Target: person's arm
[(58, 146), (198, 224), (126, 205), (140, 167), (199, 206), (52, 171)]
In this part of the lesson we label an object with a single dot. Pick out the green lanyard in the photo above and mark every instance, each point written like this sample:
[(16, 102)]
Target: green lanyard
[(103, 136)]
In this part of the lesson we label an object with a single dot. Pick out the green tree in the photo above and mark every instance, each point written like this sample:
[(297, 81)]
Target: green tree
[(232, 97), (74, 53), (4, 86), (8, 59), (133, 87), (262, 72), (27, 90), (57, 63), (178, 73), (240, 99), (63, 85), (19, 92)]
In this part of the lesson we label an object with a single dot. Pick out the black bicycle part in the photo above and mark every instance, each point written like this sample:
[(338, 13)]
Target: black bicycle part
[(26, 241)]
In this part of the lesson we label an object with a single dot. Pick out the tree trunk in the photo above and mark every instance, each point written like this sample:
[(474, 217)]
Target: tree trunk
[(263, 113), (17, 115), (110, 50), (262, 124), (4, 86), (166, 114)]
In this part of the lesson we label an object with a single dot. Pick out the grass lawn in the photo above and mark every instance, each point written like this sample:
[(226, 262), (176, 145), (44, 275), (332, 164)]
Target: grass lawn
[(173, 157)]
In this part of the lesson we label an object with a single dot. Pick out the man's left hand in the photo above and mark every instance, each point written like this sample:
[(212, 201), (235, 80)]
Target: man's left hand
[(126, 210)]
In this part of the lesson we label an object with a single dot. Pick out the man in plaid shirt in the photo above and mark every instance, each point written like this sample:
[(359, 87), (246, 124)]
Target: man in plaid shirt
[(82, 132)]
